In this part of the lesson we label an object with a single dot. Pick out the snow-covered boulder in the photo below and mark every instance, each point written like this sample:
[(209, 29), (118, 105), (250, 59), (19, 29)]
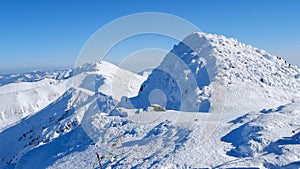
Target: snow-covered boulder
[(156, 107)]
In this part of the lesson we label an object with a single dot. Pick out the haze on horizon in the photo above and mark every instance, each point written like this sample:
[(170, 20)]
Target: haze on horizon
[(45, 35)]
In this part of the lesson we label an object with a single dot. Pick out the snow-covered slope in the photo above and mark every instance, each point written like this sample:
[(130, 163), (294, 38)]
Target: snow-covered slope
[(18, 100), (269, 136), (26, 93), (64, 114), (262, 139), (252, 100), (176, 140)]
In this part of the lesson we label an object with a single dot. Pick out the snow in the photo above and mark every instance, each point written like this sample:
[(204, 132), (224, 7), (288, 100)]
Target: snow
[(22, 99), (107, 78), (19, 100), (35, 76), (175, 139), (228, 105), (63, 113)]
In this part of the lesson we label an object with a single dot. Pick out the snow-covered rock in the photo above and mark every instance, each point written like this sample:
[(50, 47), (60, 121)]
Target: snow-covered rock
[(156, 107)]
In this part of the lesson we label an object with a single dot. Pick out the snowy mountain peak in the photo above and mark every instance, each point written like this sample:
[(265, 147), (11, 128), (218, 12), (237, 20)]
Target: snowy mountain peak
[(94, 67), (106, 78), (202, 62), (230, 54)]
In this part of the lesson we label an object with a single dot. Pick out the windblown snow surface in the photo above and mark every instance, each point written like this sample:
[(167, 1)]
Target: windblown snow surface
[(229, 105)]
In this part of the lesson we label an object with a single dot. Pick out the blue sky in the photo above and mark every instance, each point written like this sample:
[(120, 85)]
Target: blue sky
[(50, 33)]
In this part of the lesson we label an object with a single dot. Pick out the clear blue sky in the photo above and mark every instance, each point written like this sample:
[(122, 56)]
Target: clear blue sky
[(50, 33)]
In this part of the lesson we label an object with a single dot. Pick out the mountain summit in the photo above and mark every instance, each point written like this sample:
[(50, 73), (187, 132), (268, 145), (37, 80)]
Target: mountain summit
[(206, 71)]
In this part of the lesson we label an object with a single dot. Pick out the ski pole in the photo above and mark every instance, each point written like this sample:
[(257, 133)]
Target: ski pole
[(99, 160)]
